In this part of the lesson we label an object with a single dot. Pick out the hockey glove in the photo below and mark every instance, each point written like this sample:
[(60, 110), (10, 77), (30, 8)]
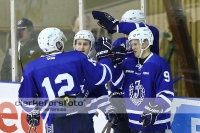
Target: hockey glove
[(150, 114), (106, 21), (103, 48), (33, 118), (111, 115), (117, 100), (119, 54)]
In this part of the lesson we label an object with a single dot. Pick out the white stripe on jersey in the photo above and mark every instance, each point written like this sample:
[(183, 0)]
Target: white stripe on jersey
[(108, 71), (103, 104), (103, 76), (91, 102), (46, 116), (166, 99), (102, 97), (157, 122), (134, 111), (165, 91), (119, 79), (92, 111)]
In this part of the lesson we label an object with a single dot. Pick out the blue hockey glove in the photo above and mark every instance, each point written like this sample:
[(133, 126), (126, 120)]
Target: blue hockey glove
[(103, 48), (106, 21), (119, 54), (150, 114), (33, 118), (111, 115)]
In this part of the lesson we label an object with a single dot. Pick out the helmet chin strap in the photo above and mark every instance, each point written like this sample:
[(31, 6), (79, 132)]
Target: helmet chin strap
[(142, 50), (90, 52)]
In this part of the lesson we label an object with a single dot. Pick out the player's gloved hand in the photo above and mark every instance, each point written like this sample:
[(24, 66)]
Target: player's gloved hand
[(119, 54), (150, 114), (117, 100), (103, 48), (106, 21), (111, 115), (33, 118)]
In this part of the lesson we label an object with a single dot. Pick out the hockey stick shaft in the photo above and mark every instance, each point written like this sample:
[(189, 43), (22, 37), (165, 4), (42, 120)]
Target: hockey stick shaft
[(177, 79), (142, 127), (108, 126), (105, 127)]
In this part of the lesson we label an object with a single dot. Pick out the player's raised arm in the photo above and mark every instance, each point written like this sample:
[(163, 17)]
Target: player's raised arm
[(99, 72)]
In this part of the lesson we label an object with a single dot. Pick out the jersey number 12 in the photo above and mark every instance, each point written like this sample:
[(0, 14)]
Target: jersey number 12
[(47, 84)]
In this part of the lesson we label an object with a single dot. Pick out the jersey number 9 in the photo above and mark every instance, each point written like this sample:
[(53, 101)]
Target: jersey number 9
[(167, 76)]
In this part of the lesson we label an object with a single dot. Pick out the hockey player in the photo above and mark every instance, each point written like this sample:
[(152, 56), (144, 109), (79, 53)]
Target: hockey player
[(96, 96), (147, 85), (130, 20), (48, 79)]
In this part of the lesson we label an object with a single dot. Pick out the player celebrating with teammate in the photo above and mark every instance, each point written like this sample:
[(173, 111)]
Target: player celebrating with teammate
[(121, 48), (56, 76), (147, 85), (96, 96)]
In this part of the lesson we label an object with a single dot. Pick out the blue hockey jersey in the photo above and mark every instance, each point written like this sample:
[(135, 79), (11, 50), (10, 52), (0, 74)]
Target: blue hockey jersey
[(126, 28), (96, 97), (141, 84), (55, 75)]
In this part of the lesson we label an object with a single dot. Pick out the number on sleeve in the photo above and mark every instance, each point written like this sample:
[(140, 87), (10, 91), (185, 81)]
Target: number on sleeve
[(166, 76)]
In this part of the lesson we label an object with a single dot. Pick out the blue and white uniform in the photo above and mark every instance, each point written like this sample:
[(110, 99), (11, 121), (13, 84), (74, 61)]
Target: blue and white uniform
[(144, 83), (56, 75)]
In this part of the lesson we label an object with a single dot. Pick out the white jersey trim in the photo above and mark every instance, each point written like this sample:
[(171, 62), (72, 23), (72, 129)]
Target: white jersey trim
[(166, 99), (157, 122), (103, 104), (165, 91), (103, 76), (119, 79), (91, 102), (134, 111), (108, 71), (92, 111)]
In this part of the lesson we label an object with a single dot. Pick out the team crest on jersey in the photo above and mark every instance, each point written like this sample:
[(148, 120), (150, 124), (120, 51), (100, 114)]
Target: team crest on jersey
[(136, 94), (139, 66)]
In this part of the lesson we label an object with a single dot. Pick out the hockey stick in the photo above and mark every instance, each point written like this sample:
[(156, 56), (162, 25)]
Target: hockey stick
[(177, 79), (108, 126), (105, 127), (142, 127), (29, 130)]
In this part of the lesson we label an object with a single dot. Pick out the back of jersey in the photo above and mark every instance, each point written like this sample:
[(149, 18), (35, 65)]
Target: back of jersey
[(56, 75), (53, 76)]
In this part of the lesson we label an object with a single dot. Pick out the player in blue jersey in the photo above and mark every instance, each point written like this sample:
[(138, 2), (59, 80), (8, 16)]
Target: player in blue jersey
[(130, 20), (50, 82), (147, 85), (96, 96)]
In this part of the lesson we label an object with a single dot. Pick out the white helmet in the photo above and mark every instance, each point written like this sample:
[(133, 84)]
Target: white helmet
[(133, 16), (84, 34), (50, 38), (142, 34)]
